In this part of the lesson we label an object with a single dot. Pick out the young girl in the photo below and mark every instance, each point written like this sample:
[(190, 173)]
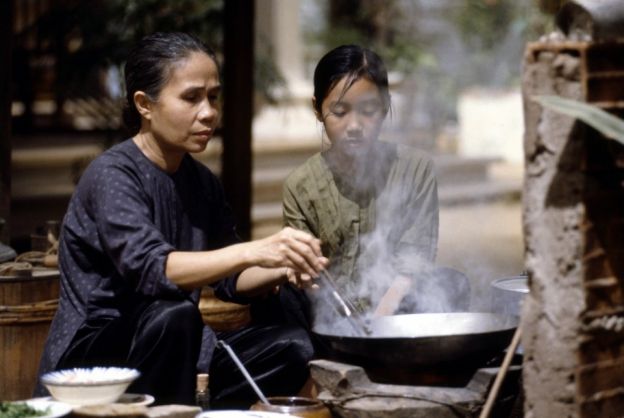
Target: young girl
[(373, 204)]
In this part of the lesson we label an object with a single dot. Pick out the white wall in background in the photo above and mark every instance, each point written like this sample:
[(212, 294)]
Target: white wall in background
[(491, 124)]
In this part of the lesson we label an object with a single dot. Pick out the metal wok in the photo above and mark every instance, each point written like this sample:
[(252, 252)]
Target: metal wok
[(423, 340)]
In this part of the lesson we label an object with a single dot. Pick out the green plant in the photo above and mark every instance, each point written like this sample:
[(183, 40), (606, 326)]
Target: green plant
[(386, 27), (93, 35), (604, 122), (90, 36), (483, 23)]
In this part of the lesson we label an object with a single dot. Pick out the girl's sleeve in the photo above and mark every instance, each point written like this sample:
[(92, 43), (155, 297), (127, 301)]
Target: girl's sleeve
[(419, 240), (293, 215)]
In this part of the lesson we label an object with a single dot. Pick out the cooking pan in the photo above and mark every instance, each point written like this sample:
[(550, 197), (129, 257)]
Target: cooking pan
[(428, 340)]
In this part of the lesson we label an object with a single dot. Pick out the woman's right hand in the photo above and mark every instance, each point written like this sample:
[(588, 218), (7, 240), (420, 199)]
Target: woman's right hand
[(300, 280), (291, 248)]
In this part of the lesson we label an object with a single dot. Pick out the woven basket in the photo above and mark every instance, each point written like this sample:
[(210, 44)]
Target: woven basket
[(220, 315), (27, 306)]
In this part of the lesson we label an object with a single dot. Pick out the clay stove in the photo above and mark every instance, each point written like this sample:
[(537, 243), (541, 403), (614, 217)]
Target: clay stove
[(350, 393)]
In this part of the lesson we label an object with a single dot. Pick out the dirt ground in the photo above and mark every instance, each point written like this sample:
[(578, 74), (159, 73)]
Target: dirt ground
[(485, 242)]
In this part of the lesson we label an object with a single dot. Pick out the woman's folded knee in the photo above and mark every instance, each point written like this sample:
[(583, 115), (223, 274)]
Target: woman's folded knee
[(175, 318), (182, 310), (297, 346)]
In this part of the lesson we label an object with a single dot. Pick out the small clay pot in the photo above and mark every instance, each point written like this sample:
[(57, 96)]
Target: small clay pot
[(294, 405)]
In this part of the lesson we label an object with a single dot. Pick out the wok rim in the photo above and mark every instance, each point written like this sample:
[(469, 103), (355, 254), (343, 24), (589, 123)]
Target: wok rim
[(505, 319)]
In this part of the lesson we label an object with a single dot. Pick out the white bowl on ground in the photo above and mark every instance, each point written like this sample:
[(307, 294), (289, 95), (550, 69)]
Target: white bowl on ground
[(243, 414), (94, 386)]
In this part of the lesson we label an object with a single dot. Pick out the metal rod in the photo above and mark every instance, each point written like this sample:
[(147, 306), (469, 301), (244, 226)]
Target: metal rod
[(347, 307), (241, 367)]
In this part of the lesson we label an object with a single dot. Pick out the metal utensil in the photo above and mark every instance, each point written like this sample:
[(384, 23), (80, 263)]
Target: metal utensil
[(241, 367), (345, 307)]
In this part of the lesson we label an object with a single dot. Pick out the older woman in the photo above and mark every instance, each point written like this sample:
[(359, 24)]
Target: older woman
[(148, 226)]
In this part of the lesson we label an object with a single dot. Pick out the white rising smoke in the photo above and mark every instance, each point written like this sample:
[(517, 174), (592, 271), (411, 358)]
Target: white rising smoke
[(434, 288), (483, 240), (425, 103)]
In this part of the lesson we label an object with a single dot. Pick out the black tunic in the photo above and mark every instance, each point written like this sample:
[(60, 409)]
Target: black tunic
[(125, 217)]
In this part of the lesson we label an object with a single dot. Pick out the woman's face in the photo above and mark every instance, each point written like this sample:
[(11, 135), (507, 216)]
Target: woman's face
[(185, 116), (353, 120)]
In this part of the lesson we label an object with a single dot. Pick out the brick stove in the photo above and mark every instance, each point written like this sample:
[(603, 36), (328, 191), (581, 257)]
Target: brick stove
[(350, 393)]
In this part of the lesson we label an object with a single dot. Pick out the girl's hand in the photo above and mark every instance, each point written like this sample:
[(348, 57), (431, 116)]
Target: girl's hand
[(391, 300)]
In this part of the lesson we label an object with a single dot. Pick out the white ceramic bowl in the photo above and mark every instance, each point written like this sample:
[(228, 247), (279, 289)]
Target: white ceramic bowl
[(243, 414), (94, 386)]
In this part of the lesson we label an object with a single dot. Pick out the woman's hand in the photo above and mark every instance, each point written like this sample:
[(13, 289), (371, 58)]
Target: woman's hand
[(290, 248), (302, 281), (288, 255), (262, 263)]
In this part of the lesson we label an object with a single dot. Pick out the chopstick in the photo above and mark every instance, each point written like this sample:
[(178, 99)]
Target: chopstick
[(346, 306)]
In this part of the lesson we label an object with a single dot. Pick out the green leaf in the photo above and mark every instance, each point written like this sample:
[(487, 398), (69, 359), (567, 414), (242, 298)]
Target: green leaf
[(604, 122)]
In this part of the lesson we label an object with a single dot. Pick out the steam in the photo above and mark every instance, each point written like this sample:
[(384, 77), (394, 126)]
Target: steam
[(433, 289), (424, 107), (484, 241), (383, 257)]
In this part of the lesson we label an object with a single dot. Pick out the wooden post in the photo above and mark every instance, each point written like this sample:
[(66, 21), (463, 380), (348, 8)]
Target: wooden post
[(237, 77), (6, 38)]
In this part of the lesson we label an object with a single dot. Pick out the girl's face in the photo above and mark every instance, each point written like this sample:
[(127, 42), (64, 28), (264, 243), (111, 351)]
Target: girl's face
[(353, 119), (185, 116)]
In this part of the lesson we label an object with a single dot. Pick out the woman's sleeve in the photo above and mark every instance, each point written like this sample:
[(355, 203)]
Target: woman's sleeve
[(224, 289), (123, 216)]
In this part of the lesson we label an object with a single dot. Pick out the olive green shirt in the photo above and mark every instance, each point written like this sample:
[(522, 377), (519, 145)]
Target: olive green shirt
[(379, 220)]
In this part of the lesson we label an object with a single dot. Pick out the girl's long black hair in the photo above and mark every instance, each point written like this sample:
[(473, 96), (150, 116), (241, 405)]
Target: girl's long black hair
[(354, 62)]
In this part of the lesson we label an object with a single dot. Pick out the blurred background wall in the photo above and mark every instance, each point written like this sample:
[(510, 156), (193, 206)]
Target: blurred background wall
[(455, 69)]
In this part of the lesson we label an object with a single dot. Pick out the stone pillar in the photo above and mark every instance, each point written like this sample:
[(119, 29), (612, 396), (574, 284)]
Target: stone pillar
[(288, 120), (278, 33), (573, 318), (552, 215)]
